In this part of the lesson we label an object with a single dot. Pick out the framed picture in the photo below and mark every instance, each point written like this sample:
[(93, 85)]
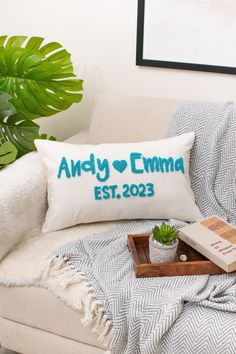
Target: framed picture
[(187, 34)]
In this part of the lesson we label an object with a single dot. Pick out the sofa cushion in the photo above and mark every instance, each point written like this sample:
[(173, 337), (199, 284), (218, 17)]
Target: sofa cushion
[(25, 303), (43, 310), (29, 340), (120, 118)]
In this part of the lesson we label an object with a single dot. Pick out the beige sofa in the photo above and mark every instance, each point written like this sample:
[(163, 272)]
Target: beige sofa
[(32, 320)]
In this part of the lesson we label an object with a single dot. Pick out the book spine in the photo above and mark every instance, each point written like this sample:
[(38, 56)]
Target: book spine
[(203, 251)]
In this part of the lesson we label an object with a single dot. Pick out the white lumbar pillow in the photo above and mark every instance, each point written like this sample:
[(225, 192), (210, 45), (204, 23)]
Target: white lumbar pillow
[(88, 183)]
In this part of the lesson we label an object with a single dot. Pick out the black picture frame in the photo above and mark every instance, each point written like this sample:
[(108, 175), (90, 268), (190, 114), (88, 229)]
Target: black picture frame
[(169, 64)]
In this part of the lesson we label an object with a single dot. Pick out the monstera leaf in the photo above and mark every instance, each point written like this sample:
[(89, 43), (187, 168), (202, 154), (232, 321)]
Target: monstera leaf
[(8, 153), (39, 78), (17, 134)]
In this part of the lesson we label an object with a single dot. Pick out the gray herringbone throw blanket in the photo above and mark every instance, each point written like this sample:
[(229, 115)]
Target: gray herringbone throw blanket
[(169, 315)]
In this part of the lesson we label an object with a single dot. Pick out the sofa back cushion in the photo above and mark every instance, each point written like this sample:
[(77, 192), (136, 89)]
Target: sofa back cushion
[(121, 119)]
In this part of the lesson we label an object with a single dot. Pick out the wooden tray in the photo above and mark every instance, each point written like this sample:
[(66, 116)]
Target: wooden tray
[(197, 264)]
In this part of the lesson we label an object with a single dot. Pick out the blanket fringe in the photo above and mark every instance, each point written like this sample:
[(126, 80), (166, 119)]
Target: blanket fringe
[(60, 268)]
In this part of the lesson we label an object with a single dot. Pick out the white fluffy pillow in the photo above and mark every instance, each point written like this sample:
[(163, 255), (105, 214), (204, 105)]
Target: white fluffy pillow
[(88, 183)]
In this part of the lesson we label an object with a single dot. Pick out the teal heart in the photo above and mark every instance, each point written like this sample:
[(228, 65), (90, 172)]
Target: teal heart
[(119, 165)]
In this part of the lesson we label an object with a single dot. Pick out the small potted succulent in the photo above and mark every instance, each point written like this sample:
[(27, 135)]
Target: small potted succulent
[(163, 244)]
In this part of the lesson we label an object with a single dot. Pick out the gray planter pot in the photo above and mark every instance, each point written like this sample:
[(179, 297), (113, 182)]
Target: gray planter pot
[(159, 253)]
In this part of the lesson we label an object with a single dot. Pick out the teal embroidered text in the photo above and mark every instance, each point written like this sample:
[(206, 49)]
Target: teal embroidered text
[(137, 163)]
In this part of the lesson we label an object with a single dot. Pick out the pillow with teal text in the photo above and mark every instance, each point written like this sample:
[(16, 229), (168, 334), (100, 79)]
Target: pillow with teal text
[(145, 180)]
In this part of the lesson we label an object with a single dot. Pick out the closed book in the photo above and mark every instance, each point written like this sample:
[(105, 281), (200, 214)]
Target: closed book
[(215, 239)]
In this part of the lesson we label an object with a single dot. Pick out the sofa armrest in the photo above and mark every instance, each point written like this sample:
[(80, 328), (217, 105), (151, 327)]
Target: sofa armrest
[(22, 200)]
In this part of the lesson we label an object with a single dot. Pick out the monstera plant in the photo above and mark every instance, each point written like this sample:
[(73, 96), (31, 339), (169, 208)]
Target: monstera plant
[(36, 80)]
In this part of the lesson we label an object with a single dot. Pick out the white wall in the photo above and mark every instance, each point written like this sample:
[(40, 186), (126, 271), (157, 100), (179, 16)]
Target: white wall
[(101, 35)]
